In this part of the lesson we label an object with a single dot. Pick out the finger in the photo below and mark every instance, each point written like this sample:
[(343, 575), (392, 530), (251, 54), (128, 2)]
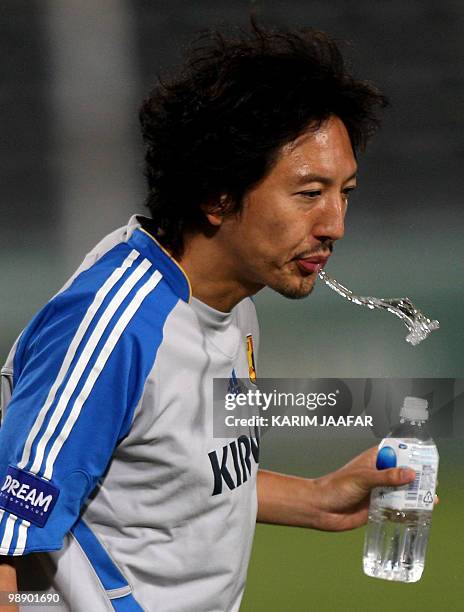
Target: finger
[(366, 459), (392, 477)]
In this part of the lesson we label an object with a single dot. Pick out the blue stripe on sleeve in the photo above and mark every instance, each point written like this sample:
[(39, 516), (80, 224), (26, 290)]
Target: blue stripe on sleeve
[(85, 445)]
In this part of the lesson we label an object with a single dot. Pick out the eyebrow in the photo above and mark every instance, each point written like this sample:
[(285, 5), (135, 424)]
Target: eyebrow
[(301, 179)]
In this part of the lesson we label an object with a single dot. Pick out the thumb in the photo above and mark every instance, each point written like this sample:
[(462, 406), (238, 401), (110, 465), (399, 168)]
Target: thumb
[(392, 477)]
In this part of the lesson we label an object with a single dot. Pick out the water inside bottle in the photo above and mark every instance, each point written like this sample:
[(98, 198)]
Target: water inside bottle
[(396, 543)]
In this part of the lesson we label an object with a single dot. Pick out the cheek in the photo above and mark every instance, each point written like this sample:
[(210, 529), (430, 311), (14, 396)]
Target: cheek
[(280, 219), (277, 241), (273, 227), (288, 230)]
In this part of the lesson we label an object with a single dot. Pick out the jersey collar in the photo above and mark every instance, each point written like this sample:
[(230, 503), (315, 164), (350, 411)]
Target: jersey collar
[(171, 270)]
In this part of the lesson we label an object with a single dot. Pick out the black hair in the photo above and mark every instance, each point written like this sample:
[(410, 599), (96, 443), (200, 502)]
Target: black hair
[(217, 127)]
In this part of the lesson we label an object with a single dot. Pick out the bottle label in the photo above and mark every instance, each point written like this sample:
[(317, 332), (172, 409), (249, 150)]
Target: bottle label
[(423, 459)]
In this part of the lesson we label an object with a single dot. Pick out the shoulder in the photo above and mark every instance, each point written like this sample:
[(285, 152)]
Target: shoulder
[(123, 291), (121, 301)]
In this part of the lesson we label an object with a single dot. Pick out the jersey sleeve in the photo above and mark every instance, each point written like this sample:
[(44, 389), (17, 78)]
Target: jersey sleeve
[(79, 372)]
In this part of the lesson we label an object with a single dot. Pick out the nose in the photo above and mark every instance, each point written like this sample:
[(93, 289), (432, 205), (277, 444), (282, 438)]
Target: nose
[(330, 223)]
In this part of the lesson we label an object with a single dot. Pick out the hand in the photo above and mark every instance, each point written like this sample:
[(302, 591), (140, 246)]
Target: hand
[(342, 497), (8, 582)]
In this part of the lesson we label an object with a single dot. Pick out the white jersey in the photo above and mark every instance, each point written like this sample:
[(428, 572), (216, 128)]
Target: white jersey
[(109, 471)]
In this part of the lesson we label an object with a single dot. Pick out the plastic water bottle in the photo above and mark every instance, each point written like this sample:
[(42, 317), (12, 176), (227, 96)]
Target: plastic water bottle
[(400, 517)]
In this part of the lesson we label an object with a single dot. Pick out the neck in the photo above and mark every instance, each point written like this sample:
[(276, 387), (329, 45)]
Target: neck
[(212, 273)]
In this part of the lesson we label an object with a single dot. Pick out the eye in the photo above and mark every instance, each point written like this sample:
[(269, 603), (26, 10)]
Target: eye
[(347, 192), (311, 194)]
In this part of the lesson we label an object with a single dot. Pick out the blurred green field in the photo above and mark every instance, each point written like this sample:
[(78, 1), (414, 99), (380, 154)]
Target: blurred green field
[(301, 570)]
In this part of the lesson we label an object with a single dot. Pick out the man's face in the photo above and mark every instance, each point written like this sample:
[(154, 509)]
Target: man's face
[(290, 221)]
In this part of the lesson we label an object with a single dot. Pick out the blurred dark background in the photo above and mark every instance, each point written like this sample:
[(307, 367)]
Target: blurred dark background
[(73, 75)]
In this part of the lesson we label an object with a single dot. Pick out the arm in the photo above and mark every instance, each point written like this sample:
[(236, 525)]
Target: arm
[(285, 500), (8, 581), (334, 502), (57, 438)]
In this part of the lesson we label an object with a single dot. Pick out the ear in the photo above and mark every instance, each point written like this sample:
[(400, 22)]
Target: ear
[(216, 210)]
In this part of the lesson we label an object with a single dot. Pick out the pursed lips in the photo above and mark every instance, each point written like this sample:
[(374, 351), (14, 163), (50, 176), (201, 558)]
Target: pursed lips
[(312, 264)]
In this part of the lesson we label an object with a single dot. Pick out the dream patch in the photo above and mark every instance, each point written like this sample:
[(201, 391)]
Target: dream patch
[(27, 496)]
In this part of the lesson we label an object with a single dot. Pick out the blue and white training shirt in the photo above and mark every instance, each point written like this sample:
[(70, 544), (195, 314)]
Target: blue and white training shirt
[(113, 489)]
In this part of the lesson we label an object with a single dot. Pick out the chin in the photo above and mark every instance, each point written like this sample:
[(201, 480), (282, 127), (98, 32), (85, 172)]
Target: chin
[(295, 294), (294, 291)]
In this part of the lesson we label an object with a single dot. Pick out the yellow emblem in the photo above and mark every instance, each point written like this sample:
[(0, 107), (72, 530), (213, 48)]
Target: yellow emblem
[(251, 359)]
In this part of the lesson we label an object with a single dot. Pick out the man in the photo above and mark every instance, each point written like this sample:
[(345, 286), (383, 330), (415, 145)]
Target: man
[(113, 490)]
